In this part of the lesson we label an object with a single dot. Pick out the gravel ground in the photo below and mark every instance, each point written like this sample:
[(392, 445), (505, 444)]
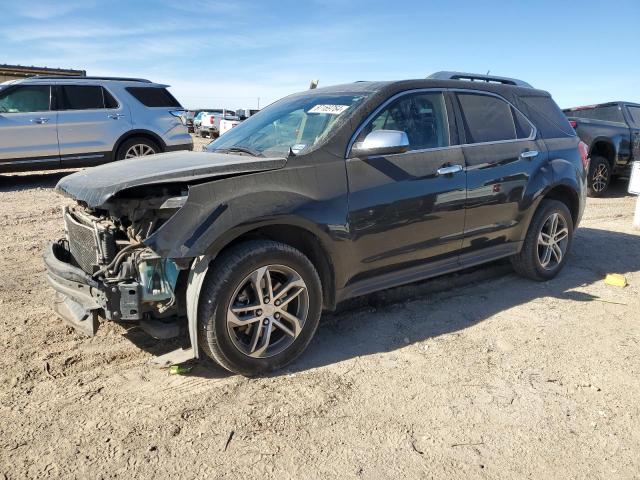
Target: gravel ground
[(475, 375)]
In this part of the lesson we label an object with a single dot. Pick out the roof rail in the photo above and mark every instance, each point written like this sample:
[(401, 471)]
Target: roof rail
[(477, 77), (81, 77)]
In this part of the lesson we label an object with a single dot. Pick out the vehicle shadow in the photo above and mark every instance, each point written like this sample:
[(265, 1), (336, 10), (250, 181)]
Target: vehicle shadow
[(618, 188), (416, 316), (397, 317), (19, 182)]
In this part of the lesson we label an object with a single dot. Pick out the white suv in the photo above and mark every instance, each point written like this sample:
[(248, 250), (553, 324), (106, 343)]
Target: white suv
[(67, 122)]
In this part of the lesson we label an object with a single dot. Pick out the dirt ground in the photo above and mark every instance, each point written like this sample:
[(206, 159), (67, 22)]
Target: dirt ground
[(476, 375)]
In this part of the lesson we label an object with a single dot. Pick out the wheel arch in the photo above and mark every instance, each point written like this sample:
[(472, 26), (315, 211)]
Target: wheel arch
[(567, 195), (139, 133), (603, 147), (296, 236)]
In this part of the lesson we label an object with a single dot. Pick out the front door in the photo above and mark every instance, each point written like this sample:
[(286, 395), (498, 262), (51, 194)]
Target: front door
[(502, 154), (404, 209), (90, 121), (28, 137)]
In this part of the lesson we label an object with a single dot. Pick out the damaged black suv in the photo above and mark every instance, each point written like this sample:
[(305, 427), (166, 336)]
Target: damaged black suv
[(322, 196)]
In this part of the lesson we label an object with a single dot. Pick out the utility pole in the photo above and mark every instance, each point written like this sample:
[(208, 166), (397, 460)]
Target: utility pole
[(258, 103)]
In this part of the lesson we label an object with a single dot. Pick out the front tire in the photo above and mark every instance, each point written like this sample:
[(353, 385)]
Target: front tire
[(259, 307), (599, 176), (547, 243)]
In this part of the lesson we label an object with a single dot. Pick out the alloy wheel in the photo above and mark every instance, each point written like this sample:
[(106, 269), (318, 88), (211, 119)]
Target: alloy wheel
[(600, 178), (267, 311), (553, 241), (139, 150)]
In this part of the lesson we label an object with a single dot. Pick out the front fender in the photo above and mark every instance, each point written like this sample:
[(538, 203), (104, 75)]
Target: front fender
[(311, 196)]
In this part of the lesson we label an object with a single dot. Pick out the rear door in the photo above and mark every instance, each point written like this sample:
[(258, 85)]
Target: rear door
[(402, 210), (28, 137), (501, 153), (90, 121)]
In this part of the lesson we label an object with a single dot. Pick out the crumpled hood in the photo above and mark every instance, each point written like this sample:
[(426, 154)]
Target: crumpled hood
[(95, 186)]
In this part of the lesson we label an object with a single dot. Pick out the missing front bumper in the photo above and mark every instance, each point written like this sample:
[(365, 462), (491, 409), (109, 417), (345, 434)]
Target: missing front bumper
[(79, 298)]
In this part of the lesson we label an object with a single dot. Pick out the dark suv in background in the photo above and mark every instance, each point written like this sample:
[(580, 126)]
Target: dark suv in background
[(612, 134), (324, 195)]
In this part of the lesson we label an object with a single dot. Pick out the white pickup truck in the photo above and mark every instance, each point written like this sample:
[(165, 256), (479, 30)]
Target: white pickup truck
[(216, 122)]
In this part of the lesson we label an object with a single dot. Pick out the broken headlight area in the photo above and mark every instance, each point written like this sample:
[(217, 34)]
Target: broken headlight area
[(130, 282)]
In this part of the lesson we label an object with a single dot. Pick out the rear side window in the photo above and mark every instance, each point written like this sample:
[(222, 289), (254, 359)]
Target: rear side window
[(154, 96), (608, 113), (422, 116), (28, 98), (80, 97), (489, 119)]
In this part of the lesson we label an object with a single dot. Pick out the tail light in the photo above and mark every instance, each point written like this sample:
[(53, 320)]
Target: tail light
[(584, 154), (180, 115), (573, 123), (212, 120)]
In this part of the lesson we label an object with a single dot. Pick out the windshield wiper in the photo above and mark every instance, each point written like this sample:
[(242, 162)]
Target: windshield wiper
[(253, 153)]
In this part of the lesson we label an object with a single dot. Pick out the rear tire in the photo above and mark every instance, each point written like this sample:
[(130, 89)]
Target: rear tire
[(137, 147), (545, 249), (599, 176), (249, 326)]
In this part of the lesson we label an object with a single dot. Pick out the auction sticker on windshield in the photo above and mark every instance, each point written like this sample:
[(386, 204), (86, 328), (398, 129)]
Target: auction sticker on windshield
[(330, 109)]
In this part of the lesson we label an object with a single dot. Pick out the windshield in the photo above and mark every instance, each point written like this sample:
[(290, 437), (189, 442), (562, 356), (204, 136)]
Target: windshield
[(292, 124)]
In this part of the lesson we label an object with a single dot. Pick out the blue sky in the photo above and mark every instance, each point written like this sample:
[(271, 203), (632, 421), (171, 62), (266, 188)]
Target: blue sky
[(229, 53)]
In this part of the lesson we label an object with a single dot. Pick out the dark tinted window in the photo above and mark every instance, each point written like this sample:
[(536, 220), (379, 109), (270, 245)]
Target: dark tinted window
[(635, 114), (422, 116), (154, 96), (80, 97), (546, 116), (523, 127), (109, 101), (29, 98), (486, 118), (608, 113)]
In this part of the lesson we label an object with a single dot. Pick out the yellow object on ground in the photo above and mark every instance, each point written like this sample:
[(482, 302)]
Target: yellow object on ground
[(179, 370), (616, 280)]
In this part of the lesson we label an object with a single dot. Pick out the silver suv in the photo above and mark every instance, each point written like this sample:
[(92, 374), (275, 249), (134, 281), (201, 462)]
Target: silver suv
[(67, 122)]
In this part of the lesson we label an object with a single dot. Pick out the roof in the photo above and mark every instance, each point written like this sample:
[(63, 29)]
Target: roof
[(83, 80), (596, 105), (379, 86)]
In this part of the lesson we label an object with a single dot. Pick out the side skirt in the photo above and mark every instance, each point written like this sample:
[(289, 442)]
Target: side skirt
[(428, 270)]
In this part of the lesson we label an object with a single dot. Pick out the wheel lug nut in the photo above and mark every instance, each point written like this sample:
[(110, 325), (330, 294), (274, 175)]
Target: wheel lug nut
[(276, 315), (258, 313), (265, 321), (266, 299), (277, 303)]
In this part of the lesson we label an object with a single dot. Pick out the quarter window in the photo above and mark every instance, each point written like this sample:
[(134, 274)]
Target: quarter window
[(422, 116), (29, 98), (489, 119), (154, 96)]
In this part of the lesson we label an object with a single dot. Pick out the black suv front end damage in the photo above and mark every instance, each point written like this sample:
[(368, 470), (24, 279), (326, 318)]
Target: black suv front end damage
[(103, 269), (109, 264)]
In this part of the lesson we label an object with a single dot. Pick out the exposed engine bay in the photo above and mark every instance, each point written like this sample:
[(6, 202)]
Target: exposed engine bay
[(108, 245)]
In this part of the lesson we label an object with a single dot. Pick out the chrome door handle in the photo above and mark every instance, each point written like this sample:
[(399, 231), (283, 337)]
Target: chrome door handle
[(529, 154), (115, 116), (40, 120), (450, 170)]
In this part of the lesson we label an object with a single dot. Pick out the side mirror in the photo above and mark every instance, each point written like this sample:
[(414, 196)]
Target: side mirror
[(381, 142)]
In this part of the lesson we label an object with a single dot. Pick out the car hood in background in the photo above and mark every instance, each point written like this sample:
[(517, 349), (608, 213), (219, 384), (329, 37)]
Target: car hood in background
[(95, 186)]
